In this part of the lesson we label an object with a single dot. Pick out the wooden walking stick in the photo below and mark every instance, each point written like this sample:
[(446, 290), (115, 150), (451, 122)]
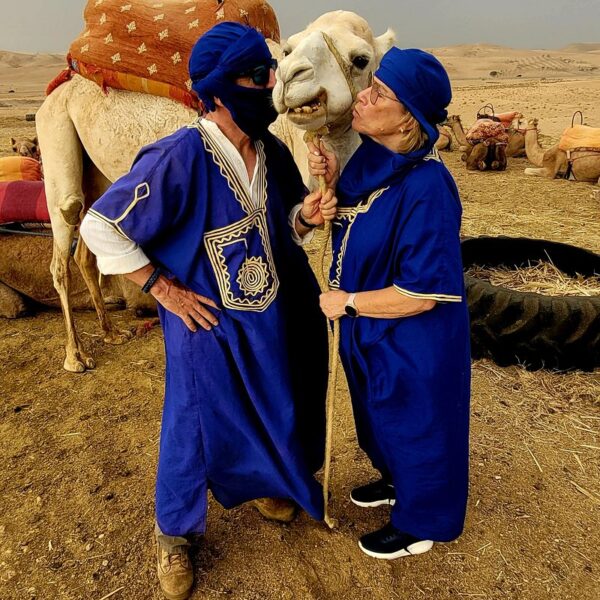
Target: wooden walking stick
[(334, 342)]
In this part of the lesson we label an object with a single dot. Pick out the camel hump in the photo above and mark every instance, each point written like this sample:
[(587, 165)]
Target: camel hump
[(580, 136), (144, 46)]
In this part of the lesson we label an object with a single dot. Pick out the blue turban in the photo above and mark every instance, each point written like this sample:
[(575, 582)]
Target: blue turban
[(421, 83), (224, 50)]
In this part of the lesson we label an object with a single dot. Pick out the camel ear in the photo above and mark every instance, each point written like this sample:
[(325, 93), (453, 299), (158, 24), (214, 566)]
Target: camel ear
[(384, 42), (13, 141), (275, 49), (35, 140)]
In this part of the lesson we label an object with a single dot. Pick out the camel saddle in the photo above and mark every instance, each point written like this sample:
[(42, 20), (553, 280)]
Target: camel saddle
[(145, 45), (19, 168), (580, 137), (484, 129), (23, 202)]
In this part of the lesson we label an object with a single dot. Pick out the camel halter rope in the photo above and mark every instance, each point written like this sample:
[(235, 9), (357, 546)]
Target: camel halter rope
[(323, 279)]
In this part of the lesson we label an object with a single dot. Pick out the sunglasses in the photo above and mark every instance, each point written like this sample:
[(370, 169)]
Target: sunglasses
[(260, 75)]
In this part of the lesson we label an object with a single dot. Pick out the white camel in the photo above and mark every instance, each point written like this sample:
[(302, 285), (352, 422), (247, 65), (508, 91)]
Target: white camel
[(89, 139), (322, 70)]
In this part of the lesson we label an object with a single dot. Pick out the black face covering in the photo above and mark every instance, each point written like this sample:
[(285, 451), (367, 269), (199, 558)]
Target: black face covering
[(251, 108)]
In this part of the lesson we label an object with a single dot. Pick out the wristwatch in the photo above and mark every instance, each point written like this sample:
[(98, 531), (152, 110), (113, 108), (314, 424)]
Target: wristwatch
[(350, 307)]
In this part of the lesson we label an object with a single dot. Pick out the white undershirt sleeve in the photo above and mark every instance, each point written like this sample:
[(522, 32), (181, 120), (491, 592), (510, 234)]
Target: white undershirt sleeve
[(301, 241), (115, 253)]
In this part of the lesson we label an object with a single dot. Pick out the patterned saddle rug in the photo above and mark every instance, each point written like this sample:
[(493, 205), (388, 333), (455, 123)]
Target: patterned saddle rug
[(580, 137), (144, 45), (484, 129)]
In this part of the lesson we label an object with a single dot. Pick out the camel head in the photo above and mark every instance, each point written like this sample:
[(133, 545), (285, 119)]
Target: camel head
[(532, 123), (324, 67), (26, 147)]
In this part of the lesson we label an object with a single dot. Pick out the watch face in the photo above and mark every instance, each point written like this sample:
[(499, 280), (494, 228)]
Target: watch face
[(350, 311)]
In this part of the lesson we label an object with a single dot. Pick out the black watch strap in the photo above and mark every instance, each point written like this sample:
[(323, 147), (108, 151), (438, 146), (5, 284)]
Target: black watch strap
[(151, 280), (304, 222)]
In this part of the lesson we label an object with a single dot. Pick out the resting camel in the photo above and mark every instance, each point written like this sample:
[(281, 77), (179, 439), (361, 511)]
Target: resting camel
[(444, 142), (553, 161), (489, 154), (516, 136), (83, 155), (26, 282), (26, 147)]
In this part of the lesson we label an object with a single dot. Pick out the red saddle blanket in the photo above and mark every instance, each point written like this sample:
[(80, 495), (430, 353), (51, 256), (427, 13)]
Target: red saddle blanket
[(484, 129), (145, 45), (23, 202)]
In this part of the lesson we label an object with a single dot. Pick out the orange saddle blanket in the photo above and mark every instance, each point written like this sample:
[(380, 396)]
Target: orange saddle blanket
[(580, 137), (144, 45)]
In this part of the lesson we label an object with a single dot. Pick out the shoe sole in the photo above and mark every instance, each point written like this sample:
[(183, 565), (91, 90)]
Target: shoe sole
[(387, 502), (412, 550), (183, 596)]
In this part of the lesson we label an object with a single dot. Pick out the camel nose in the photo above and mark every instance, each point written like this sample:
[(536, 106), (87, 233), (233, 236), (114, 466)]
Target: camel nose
[(295, 71)]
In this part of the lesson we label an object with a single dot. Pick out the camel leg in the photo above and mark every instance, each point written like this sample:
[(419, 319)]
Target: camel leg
[(62, 153), (86, 262), (537, 172)]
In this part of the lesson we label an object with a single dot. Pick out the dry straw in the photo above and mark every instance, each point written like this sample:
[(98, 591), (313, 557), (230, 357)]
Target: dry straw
[(540, 277)]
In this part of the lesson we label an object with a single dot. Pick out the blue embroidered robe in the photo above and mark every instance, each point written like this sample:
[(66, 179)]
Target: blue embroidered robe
[(409, 377), (244, 403)]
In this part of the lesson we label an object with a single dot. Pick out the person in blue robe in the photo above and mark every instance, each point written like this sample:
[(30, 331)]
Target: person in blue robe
[(397, 287), (210, 220)]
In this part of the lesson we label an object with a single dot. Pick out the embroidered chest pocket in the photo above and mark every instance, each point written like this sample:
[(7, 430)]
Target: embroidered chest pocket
[(241, 257)]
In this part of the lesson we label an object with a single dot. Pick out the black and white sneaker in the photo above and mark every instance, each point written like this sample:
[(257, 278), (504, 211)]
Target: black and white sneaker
[(389, 543), (374, 494)]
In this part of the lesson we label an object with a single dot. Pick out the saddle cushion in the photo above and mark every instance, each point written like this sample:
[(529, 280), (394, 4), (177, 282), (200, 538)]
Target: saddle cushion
[(20, 168), (580, 137), (144, 45), (484, 129), (23, 202), (508, 117)]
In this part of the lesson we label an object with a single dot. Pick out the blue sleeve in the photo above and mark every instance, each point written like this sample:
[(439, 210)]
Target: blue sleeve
[(427, 262), (153, 197)]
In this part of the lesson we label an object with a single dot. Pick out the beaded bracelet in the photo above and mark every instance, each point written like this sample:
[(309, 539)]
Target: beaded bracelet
[(151, 280)]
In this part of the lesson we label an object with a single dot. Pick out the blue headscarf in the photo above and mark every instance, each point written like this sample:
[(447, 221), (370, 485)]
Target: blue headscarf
[(421, 83), (224, 50)]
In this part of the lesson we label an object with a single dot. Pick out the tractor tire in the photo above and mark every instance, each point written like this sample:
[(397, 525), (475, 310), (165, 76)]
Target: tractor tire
[(538, 331)]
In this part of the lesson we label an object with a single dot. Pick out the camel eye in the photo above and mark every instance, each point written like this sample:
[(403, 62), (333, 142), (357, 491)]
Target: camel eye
[(286, 51), (360, 62)]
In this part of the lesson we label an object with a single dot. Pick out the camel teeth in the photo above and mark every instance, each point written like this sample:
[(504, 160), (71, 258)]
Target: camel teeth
[(298, 110), (306, 109)]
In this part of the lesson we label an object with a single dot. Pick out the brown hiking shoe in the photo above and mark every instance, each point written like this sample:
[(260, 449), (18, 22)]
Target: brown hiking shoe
[(175, 573), (276, 509)]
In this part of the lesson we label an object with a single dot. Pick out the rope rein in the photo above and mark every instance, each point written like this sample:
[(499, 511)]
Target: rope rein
[(323, 279)]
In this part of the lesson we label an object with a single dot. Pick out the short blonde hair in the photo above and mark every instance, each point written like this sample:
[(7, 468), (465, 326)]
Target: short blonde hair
[(414, 137)]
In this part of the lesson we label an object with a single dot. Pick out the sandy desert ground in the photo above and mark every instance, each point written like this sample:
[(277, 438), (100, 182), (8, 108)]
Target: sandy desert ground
[(78, 452)]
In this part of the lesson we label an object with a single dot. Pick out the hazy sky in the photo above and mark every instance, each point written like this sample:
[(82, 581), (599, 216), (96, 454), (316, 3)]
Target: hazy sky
[(50, 25)]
